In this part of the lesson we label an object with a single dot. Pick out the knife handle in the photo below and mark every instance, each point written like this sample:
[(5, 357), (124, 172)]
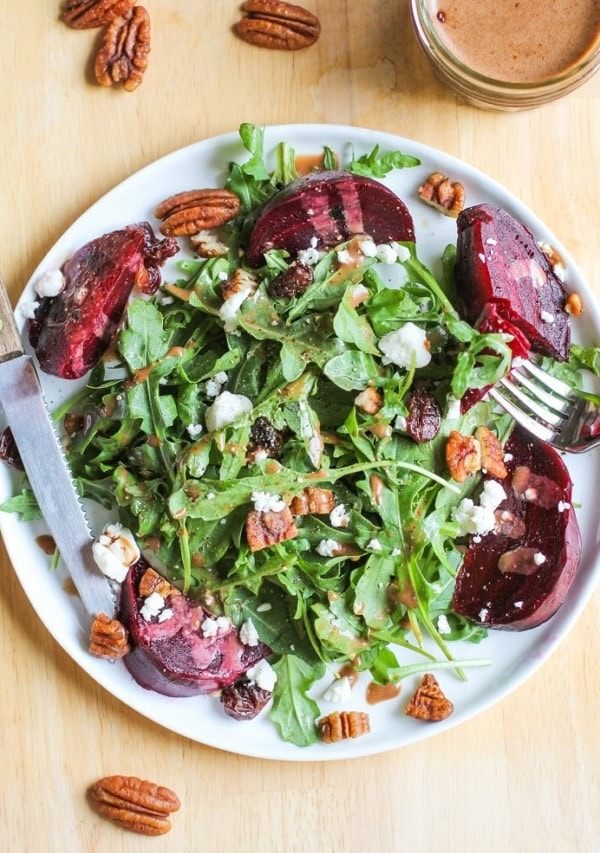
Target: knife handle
[(10, 339)]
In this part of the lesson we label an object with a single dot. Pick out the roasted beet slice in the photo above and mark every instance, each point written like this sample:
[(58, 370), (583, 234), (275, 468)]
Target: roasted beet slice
[(500, 264), (173, 656), (71, 331), (518, 577), (326, 208)]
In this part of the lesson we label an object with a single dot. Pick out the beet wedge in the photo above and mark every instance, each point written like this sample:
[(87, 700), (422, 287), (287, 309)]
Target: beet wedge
[(327, 208), (518, 577), (499, 264), (173, 656), (70, 332)]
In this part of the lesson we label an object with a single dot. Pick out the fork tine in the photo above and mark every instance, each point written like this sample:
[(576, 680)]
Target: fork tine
[(552, 418), (542, 432), (556, 385), (558, 404)]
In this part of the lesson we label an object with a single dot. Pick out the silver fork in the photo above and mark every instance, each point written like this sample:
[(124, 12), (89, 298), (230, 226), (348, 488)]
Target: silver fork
[(548, 408)]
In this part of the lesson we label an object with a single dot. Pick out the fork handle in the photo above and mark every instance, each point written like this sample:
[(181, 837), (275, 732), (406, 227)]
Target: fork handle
[(10, 339)]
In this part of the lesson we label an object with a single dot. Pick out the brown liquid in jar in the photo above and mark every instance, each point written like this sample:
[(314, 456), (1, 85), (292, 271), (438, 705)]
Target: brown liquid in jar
[(518, 42)]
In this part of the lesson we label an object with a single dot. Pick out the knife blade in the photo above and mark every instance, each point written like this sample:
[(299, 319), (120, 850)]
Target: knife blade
[(50, 478)]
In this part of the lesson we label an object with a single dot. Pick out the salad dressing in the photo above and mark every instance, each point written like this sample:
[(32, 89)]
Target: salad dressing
[(518, 42), (381, 692)]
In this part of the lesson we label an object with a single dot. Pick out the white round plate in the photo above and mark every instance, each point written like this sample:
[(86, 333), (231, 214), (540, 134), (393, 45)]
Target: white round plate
[(514, 656)]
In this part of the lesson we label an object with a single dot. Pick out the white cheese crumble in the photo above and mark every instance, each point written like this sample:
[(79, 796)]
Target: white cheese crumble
[(152, 606), (344, 257), (400, 423), (211, 627), (374, 545), (326, 547), (483, 614), (339, 517), (518, 604), (264, 607), (263, 675), (50, 283), (539, 559), (443, 625), (453, 411), (194, 430), (547, 317), (309, 257), (228, 312), (266, 502), (473, 519), (227, 409), (402, 252), (396, 552), (386, 254), (482, 257), (368, 247), (28, 309), (406, 345), (165, 614), (213, 386), (248, 633), (562, 506), (115, 551), (339, 690), (492, 495)]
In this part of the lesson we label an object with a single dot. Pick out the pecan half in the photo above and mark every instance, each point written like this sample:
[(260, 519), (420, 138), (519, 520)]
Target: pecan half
[(445, 195), (109, 638), (463, 455), (492, 453), (268, 528), (341, 725), (134, 803), (86, 14), (429, 702), (123, 57), (193, 211), (208, 243), (313, 500), (277, 25)]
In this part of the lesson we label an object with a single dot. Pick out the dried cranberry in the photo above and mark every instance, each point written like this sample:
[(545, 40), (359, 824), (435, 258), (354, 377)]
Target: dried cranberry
[(264, 436), (8, 450), (424, 416), (295, 280), (244, 699)]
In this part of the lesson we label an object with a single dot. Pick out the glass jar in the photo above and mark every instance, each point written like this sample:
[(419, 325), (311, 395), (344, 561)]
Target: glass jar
[(507, 55)]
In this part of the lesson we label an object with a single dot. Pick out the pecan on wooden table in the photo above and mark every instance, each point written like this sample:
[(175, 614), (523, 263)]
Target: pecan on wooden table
[(123, 57), (86, 14), (277, 25), (135, 804)]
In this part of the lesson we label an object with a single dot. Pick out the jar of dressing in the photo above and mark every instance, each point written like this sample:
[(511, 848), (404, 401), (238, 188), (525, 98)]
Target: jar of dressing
[(506, 54)]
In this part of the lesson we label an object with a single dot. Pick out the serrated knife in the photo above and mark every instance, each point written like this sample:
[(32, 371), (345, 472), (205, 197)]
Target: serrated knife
[(41, 452)]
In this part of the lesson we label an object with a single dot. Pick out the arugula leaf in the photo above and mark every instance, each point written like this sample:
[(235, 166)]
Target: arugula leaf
[(376, 165), (294, 712)]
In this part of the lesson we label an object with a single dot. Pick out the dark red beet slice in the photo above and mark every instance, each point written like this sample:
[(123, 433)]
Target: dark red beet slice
[(326, 208), (173, 657), (71, 331), (531, 594), (499, 263)]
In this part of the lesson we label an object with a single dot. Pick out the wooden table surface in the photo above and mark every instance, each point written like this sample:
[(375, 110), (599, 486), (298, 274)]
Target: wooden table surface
[(521, 776)]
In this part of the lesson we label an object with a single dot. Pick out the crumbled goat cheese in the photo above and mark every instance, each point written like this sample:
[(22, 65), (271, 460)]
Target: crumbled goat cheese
[(326, 547), (28, 309), (473, 519), (443, 625), (453, 411), (152, 606), (339, 517), (344, 257), (226, 409), (309, 257), (402, 252), (539, 559), (405, 346), (211, 627), (50, 283), (228, 312), (115, 551), (374, 545), (263, 675), (368, 247), (562, 506), (518, 604), (194, 430), (396, 552), (492, 495), (482, 257), (483, 614), (400, 423), (508, 457), (386, 254), (547, 317), (266, 502), (165, 614), (264, 607), (213, 386), (248, 633), (339, 690)]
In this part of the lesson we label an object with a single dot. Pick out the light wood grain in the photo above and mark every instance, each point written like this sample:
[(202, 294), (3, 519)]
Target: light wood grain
[(523, 776)]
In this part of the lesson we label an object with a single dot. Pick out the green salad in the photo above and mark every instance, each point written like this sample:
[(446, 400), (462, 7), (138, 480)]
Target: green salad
[(217, 408)]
